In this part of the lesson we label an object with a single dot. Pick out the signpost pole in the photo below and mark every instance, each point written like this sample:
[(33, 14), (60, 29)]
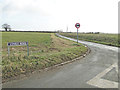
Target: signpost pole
[(77, 35), (27, 49), (77, 25)]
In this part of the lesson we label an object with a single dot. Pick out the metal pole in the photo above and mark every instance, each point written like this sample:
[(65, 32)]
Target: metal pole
[(77, 35), (27, 49)]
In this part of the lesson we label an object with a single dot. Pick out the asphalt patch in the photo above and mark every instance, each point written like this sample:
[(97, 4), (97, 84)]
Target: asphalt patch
[(112, 75)]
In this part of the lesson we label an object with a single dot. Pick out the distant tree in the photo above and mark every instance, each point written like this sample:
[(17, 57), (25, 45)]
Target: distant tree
[(97, 32), (6, 27)]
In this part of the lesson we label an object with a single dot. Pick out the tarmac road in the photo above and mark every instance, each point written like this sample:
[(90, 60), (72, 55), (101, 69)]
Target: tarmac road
[(99, 69)]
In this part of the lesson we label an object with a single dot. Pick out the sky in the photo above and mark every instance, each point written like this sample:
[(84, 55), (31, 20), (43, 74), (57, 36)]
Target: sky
[(53, 15)]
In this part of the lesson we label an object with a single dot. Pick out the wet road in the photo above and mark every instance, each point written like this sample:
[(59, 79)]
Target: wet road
[(97, 70)]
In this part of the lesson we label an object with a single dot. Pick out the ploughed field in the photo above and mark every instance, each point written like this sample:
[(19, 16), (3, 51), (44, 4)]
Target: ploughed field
[(45, 50), (107, 39)]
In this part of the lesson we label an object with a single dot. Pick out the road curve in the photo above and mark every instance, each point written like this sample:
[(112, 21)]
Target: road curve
[(97, 70)]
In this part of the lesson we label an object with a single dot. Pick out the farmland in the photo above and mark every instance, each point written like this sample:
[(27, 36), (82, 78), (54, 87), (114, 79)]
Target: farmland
[(45, 50), (107, 39)]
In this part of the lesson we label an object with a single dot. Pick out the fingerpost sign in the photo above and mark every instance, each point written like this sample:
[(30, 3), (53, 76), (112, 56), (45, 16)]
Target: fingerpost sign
[(77, 25), (17, 44)]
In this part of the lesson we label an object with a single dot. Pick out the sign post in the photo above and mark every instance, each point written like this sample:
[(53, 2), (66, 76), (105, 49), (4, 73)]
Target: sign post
[(27, 49), (77, 25), (17, 44)]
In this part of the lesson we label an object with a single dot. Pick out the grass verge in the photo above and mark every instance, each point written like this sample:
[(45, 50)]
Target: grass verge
[(107, 39), (46, 50)]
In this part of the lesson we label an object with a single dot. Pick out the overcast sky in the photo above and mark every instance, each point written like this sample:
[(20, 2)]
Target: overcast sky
[(93, 15)]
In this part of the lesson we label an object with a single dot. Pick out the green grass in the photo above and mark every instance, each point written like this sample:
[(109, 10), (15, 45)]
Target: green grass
[(45, 50), (33, 38), (107, 39)]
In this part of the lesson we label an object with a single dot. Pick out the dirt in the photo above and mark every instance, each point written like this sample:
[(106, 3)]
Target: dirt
[(60, 42)]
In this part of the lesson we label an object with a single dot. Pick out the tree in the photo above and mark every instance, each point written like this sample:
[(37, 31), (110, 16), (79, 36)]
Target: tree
[(6, 27)]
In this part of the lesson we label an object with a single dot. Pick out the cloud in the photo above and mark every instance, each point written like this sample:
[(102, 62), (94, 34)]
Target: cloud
[(92, 14), (14, 7)]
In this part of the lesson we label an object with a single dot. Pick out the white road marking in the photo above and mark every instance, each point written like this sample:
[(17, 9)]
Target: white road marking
[(97, 81), (103, 83)]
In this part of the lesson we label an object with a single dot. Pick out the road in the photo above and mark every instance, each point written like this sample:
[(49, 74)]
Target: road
[(99, 69)]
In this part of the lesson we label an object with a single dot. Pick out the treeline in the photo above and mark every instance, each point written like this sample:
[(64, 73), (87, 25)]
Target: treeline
[(52, 32), (85, 32), (34, 31), (92, 32)]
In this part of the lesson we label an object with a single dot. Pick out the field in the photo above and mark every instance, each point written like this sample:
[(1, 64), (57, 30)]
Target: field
[(45, 50), (107, 39)]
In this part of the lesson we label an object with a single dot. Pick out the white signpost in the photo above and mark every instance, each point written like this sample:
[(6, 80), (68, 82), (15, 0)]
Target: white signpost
[(17, 44)]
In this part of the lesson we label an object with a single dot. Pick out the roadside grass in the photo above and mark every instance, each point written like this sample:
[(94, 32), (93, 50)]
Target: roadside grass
[(107, 39), (45, 50)]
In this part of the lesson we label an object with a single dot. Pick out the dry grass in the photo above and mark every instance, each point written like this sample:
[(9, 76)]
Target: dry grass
[(60, 43)]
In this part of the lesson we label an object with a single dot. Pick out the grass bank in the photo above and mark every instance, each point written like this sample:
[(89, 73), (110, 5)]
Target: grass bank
[(45, 50), (107, 39)]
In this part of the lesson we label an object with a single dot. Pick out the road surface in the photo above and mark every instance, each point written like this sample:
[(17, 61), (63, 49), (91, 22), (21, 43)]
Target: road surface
[(99, 69)]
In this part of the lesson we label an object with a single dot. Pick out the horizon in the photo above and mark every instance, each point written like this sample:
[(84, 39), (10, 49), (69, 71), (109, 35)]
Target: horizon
[(21, 30)]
